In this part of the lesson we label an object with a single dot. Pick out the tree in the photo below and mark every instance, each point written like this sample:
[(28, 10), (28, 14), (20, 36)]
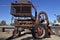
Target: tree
[(54, 21), (58, 18), (3, 23), (12, 24)]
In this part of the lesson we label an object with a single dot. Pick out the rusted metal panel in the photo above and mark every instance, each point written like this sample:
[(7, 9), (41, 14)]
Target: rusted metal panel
[(22, 15), (24, 23)]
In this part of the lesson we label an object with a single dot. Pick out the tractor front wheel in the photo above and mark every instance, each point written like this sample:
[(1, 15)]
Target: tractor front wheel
[(39, 31)]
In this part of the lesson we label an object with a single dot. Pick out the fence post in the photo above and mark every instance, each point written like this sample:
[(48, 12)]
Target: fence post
[(3, 29)]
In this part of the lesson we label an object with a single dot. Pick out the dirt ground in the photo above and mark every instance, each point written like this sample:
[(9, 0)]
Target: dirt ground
[(6, 35)]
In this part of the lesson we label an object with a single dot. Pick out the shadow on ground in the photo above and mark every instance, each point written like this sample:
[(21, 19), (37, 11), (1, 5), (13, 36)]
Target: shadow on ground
[(28, 38), (11, 37), (2, 38)]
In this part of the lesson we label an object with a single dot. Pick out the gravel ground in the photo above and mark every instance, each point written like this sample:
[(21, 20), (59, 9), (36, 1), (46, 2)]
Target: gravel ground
[(5, 35)]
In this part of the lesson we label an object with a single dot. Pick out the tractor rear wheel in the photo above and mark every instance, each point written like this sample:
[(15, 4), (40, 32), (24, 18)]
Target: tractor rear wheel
[(39, 31)]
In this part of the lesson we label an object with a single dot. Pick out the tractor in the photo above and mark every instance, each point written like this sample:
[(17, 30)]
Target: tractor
[(23, 19)]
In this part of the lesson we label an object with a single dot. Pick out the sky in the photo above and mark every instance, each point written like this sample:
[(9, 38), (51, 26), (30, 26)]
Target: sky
[(51, 7)]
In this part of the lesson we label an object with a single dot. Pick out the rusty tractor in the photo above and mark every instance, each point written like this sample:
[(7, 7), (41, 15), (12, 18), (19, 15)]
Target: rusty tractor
[(23, 19)]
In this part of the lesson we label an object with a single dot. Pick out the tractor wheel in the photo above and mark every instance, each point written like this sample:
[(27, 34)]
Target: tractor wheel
[(16, 33), (39, 31)]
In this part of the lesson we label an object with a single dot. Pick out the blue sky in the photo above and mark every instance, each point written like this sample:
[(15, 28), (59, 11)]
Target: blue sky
[(51, 7)]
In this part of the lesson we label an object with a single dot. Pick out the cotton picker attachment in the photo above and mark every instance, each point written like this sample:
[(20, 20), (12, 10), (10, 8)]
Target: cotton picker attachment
[(23, 19)]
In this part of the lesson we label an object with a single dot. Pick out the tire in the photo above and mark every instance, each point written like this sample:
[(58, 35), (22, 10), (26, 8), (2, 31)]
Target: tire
[(43, 34)]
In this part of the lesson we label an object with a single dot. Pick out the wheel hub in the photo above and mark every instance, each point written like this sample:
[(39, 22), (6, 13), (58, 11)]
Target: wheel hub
[(39, 31)]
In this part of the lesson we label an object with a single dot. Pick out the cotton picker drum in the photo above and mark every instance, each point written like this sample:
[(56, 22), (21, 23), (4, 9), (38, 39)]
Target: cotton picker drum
[(23, 19)]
